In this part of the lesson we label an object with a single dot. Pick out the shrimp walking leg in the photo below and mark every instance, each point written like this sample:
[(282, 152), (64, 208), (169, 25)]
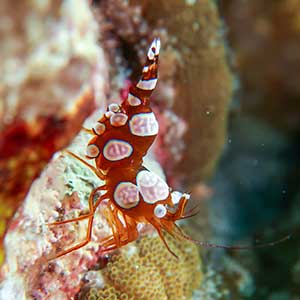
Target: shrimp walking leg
[(91, 208), (89, 131), (158, 228), (80, 245), (90, 217), (122, 234)]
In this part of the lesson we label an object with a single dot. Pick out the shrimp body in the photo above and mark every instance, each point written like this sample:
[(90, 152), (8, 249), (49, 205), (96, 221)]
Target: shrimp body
[(132, 193), (138, 193)]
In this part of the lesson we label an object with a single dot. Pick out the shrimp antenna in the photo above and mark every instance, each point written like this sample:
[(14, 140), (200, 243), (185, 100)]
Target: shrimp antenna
[(240, 247), (179, 233)]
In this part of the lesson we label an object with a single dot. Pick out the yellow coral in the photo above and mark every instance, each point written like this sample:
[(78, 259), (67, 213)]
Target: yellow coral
[(146, 270)]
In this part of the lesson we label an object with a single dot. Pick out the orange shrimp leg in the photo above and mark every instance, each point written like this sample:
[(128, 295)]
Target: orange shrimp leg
[(80, 245), (160, 233), (113, 222), (88, 234), (95, 170), (173, 229), (90, 131), (110, 244), (122, 234), (159, 228), (180, 210), (131, 228), (70, 220)]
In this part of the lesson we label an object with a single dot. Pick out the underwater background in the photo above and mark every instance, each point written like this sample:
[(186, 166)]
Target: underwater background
[(228, 107)]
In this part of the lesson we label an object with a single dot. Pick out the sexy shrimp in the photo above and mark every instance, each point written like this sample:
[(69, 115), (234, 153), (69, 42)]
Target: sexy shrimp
[(132, 194)]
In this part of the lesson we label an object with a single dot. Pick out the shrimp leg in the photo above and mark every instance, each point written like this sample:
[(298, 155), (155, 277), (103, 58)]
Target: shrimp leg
[(91, 208), (89, 230)]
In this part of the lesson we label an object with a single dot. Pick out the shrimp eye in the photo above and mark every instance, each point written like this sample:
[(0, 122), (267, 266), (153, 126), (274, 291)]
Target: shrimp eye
[(114, 107), (160, 211)]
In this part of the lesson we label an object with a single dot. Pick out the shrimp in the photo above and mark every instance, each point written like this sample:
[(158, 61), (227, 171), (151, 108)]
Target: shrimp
[(132, 193)]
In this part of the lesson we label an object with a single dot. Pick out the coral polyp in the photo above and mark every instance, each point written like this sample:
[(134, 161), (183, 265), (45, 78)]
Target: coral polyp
[(145, 270)]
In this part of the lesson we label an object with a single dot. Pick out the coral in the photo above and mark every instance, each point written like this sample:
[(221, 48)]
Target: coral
[(146, 270), (59, 96), (62, 190), (265, 37), (126, 20), (44, 46), (224, 278)]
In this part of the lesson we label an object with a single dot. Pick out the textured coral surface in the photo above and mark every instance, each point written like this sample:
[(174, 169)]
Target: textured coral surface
[(265, 37), (49, 61), (146, 270), (61, 192), (224, 279)]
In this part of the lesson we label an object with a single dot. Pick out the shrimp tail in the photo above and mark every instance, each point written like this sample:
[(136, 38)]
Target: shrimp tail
[(141, 92)]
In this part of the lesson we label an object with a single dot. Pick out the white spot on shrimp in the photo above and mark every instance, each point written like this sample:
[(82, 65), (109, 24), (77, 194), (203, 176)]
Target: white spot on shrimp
[(147, 84), (92, 151), (151, 187), (160, 211), (144, 124), (116, 150), (186, 196), (118, 119), (150, 54), (126, 195), (114, 107), (133, 101), (145, 69), (154, 49), (108, 114), (99, 128), (176, 196)]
